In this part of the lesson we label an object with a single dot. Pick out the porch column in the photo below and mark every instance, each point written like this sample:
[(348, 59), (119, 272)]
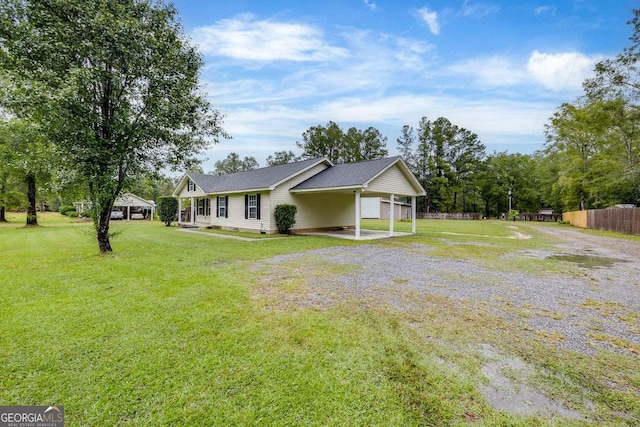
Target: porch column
[(358, 214), (193, 212), (179, 210), (128, 213), (392, 211), (413, 214), (212, 214), (153, 209)]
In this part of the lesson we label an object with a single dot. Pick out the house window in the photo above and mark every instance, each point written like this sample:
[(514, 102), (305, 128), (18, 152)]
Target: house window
[(222, 207), (191, 186), (252, 206), (203, 207)]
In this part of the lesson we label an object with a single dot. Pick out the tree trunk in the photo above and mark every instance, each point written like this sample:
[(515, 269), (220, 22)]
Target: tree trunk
[(102, 226), (3, 202), (32, 217)]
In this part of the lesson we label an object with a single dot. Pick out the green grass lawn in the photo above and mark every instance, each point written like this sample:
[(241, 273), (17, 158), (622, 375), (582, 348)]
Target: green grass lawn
[(168, 330)]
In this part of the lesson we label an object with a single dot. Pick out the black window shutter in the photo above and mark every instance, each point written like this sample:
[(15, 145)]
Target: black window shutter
[(257, 206), (226, 206), (246, 206), (217, 206)]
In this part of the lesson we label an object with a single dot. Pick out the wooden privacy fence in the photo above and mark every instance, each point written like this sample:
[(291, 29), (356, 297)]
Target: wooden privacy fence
[(443, 215), (619, 220)]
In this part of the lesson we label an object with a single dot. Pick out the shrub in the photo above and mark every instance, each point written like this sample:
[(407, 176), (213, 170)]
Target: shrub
[(285, 217), (167, 209), (64, 210), (513, 215)]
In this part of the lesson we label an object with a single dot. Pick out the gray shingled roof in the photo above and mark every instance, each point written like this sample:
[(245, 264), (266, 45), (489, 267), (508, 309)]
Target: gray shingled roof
[(347, 174), (254, 179)]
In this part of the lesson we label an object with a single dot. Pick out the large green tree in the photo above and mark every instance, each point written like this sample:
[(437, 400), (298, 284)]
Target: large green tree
[(26, 155), (281, 158), (113, 82), (343, 147), (509, 180), (364, 144), (445, 161), (233, 163)]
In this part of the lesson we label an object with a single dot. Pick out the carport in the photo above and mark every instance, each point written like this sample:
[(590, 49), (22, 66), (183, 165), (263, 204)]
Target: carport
[(343, 186), (135, 206)]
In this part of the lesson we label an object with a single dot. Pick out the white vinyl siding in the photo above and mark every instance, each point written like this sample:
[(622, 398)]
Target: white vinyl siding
[(282, 195), (194, 192), (392, 181), (322, 210)]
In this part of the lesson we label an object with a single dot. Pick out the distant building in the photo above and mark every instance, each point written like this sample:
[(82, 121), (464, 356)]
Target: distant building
[(379, 208)]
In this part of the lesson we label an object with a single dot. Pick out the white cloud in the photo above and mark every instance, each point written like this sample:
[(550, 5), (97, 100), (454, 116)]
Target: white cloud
[(478, 10), (431, 19), (556, 72), (374, 63), (561, 71), (491, 71), (371, 5), (245, 38), (543, 10)]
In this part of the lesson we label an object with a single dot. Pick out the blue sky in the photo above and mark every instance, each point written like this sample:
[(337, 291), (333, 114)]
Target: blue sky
[(497, 68)]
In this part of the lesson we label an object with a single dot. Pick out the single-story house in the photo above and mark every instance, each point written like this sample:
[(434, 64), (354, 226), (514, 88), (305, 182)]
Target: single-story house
[(380, 208), (327, 196)]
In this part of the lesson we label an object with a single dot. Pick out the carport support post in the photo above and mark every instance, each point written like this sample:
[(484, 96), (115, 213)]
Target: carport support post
[(413, 214), (358, 214), (128, 213), (392, 198)]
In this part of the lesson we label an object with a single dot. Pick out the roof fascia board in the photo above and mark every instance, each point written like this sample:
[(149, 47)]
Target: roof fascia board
[(327, 189)]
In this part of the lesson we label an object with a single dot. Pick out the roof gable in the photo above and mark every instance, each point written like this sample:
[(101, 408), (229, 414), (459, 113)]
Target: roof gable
[(261, 179), (130, 199), (347, 174), (357, 175)]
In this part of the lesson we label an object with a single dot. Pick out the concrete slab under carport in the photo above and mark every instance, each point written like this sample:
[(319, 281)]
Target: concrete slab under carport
[(351, 234)]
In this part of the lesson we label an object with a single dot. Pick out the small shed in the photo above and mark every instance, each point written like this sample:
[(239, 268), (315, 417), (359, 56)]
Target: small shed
[(135, 207), (379, 208)]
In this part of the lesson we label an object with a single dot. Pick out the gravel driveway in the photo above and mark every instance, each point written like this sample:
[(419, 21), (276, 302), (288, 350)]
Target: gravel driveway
[(602, 300), (590, 302)]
